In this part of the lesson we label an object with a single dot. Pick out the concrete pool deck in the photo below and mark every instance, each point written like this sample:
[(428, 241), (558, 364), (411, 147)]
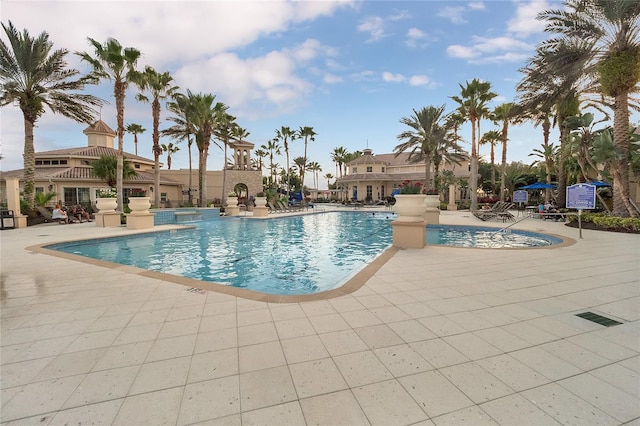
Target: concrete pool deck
[(435, 336)]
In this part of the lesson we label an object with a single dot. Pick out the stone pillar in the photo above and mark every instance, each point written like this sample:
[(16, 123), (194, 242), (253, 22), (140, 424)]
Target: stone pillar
[(13, 202), (409, 234), (140, 220), (452, 197), (107, 219), (231, 210)]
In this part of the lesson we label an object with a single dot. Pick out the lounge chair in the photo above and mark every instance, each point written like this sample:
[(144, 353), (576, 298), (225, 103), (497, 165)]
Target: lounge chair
[(500, 210)]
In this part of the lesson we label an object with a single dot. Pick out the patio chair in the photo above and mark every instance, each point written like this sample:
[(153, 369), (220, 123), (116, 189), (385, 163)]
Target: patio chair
[(273, 208)]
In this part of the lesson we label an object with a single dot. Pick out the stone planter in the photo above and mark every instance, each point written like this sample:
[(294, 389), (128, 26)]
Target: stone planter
[(106, 204), (432, 201), (139, 205), (409, 207), (432, 209), (232, 201), (261, 201)]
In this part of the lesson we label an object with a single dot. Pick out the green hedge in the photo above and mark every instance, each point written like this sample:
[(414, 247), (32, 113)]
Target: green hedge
[(613, 222)]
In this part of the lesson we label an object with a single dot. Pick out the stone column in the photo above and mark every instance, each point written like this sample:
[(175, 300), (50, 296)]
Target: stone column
[(13, 201), (452, 197)]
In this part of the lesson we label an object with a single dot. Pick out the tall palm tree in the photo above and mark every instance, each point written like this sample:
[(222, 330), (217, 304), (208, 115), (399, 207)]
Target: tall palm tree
[(106, 169), (135, 130), (260, 154), (427, 132), (472, 103), (547, 154), (285, 134), (182, 128), (160, 88), (492, 137), (337, 156), (328, 177), (600, 46), (308, 135), (447, 151), (170, 149), (113, 62), (505, 114), (34, 77), (273, 148), (316, 169), (224, 125)]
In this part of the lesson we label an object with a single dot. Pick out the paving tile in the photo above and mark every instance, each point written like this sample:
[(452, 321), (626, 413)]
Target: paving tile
[(216, 340), (466, 416), (434, 393), (317, 308), (472, 346), (378, 336), (256, 316), (533, 335), (545, 363), (575, 355), (342, 342), (149, 317), (297, 327), (102, 413), (138, 333), (439, 353), (501, 339), (103, 386), (387, 403), (217, 308), (442, 326), (260, 356), (40, 397), (361, 368), (343, 409), (411, 331), (566, 407), (516, 410), (179, 328), (304, 348), (22, 373), (621, 377), (281, 312), (123, 356), (44, 348), (154, 408), (289, 413), (512, 372), (264, 388), (475, 382), (259, 333), (154, 376), (328, 323), (70, 364), (316, 377), (360, 318), (616, 403), (209, 400), (212, 365), (632, 363), (603, 347), (218, 322), (402, 360), (173, 347)]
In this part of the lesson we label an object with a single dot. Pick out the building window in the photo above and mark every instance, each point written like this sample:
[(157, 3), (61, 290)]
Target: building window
[(63, 161), (355, 193), (383, 169), (369, 169), (163, 197), (39, 190), (47, 162), (369, 193), (38, 162), (73, 196), (355, 170), (136, 166)]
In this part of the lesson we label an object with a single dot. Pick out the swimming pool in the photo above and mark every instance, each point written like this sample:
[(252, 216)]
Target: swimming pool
[(286, 255), (294, 255), (484, 237)]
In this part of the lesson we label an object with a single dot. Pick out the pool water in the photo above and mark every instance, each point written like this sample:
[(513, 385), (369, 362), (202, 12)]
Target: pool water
[(287, 255), (292, 255), (483, 237)]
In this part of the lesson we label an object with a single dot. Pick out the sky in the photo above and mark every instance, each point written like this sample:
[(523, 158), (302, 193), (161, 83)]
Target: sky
[(349, 69)]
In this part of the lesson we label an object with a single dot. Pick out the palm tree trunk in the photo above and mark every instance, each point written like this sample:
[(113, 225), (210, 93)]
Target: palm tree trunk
[(224, 175), (427, 172), (503, 171), (29, 164), (473, 179), (157, 150), (190, 171), (202, 178), (119, 94), (621, 205)]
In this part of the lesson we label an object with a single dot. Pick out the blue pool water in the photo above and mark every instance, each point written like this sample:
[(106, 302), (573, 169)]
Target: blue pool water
[(286, 255)]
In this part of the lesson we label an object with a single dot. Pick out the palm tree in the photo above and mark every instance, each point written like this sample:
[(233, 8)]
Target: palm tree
[(205, 119), (547, 153), (273, 148), (160, 88), (337, 156), (34, 77), (504, 114), (307, 134), (473, 101), (447, 151), (427, 132), (492, 137), (224, 123), (113, 62), (260, 154), (328, 177), (183, 127), (170, 149), (106, 169), (135, 129), (600, 48), (316, 169), (300, 165), (285, 134)]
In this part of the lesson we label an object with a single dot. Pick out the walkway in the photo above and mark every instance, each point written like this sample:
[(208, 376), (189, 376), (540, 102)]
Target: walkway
[(437, 336)]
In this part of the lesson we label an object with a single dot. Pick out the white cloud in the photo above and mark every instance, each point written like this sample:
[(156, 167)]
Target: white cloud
[(374, 25), (419, 80), (454, 14), (491, 50), (416, 38), (332, 78), (393, 78), (525, 22), (476, 5)]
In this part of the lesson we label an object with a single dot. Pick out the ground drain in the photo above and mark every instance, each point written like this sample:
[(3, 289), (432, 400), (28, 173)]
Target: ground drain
[(598, 319)]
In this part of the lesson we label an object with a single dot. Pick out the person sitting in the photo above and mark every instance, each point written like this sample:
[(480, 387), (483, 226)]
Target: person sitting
[(59, 214), (79, 212)]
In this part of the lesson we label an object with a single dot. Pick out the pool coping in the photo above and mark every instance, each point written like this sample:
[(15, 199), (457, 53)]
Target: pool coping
[(351, 285)]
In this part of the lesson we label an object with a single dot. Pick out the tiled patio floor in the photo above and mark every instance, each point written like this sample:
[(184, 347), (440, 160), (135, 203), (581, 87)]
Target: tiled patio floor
[(437, 336)]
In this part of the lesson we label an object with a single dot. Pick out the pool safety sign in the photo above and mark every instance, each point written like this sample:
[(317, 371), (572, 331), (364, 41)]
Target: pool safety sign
[(581, 196), (520, 196)]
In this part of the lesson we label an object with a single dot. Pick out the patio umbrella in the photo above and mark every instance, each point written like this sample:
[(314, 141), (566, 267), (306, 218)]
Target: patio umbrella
[(599, 183), (538, 185)]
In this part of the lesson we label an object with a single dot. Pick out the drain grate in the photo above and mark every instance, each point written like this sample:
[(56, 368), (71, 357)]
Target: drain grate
[(598, 319)]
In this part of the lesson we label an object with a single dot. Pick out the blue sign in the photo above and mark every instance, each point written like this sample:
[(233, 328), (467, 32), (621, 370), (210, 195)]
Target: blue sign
[(581, 196), (520, 196)]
